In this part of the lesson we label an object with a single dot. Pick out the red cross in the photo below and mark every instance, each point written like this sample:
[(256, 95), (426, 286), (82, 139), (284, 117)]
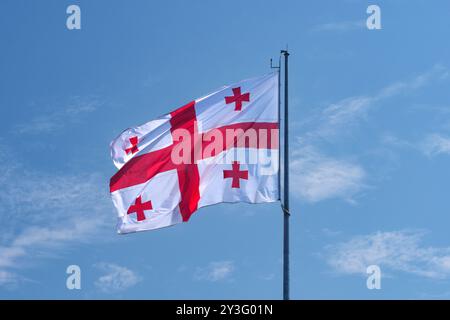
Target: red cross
[(139, 208), (133, 149), (143, 168), (237, 98), (235, 174)]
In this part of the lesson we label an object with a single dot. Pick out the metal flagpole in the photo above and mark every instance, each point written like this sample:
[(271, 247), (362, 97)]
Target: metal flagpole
[(285, 203), (278, 67)]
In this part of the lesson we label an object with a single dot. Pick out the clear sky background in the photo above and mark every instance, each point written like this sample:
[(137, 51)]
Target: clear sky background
[(370, 128)]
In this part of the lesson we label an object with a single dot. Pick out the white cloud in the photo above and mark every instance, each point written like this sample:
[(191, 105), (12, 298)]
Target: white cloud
[(399, 251), (8, 278), (215, 271), (391, 140), (435, 144), (49, 122), (116, 278), (432, 145), (340, 117), (42, 213), (347, 110), (316, 177)]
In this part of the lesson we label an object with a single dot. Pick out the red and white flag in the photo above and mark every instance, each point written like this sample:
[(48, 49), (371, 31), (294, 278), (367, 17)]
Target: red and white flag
[(222, 147)]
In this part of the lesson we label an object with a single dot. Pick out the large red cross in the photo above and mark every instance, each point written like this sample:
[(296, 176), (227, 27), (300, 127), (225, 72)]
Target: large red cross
[(134, 148), (145, 166), (139, 207), (235, 174), (237, 98)]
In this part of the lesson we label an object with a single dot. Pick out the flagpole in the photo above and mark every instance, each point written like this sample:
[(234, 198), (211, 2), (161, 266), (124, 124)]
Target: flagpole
[(278, 67), (285, 204)]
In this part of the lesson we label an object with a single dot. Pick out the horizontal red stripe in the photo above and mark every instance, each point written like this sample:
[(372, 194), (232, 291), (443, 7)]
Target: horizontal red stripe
[(144, 167), (256, 140)]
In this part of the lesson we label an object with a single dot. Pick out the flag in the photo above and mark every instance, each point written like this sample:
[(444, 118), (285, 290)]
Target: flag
[(222, 147)]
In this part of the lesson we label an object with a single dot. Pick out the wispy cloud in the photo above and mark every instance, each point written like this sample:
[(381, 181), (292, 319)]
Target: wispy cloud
[(215, 271), (341, 26), (395, 251), (42, 213), (69, 113), (342, 116), (8, 279), (431, 145), (115, 278), (320, 177), (435, 144), (391, 140)]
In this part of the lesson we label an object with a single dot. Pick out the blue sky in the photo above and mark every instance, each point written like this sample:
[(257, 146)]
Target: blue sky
[(370, 132)]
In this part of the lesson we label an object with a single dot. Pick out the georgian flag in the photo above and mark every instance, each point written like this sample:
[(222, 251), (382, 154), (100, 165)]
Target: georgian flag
[(222, 147)]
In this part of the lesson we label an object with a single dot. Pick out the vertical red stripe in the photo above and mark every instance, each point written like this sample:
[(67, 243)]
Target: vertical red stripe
[(188, 175)]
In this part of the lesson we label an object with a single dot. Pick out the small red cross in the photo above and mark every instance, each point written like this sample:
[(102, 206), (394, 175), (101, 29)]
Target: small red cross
[(134, 148), (139, 208), (237, 98), (236, 174)]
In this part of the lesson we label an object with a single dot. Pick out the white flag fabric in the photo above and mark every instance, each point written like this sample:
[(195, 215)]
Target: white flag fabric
[(222, 147)]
